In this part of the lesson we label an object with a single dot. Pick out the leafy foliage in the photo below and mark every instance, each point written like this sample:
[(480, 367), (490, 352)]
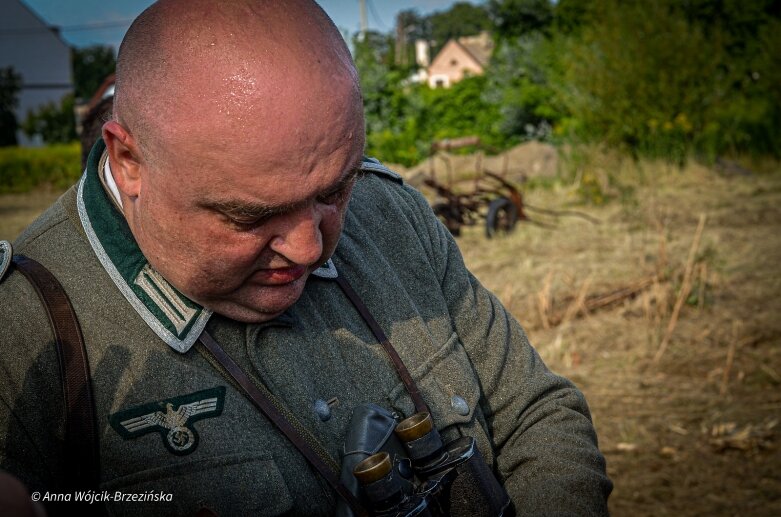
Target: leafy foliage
[(518, 84), (23, 168), (665, 79), (91, 66), (55, 123), (514, 18), (462, 19)]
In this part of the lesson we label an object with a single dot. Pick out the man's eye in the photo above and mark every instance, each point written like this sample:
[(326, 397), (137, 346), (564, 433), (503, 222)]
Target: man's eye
[(240, 224), (337, 196), (332, 198)]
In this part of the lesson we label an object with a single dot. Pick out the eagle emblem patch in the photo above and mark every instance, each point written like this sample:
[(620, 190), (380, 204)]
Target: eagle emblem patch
[(172, 418)]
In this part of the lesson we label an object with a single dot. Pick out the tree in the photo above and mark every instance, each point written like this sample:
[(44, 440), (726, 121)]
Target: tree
[(570, 15), (513, 18), (10, 84), (462, 19), (410, 26), (519, 85), (91, 66), (55, 123), (670, 78)]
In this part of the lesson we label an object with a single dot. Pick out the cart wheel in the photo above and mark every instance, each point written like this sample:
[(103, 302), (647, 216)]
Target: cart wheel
[(450, 217), (501, 218)]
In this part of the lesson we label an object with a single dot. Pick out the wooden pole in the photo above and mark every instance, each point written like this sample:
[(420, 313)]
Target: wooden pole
[(685, 289)]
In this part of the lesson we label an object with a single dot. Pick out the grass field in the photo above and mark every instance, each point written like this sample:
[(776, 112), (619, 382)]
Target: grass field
[(18, 210), (666, 314)]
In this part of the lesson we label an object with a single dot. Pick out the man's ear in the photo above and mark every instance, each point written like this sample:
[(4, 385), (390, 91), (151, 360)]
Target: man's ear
[(124, 153)]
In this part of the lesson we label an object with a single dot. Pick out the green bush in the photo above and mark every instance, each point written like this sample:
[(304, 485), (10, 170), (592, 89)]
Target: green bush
[(24, 168), (54, 122)]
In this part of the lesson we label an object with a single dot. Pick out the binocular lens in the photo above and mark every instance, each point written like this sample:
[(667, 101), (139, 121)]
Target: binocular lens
[(373, 468), (414, 427)]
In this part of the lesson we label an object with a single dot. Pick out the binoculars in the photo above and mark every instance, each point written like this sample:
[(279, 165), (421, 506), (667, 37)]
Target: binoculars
[(435, 479)]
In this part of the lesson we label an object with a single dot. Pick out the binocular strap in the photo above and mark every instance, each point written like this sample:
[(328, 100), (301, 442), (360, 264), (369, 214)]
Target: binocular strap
[(285, 421), (398, 364)]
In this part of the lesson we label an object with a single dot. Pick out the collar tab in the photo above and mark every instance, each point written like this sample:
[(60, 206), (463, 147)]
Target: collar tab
[(176, 319)]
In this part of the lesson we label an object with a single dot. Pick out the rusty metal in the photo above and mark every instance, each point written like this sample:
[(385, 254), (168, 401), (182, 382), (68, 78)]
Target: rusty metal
[(467, 209), (491, 192), (457, 210)]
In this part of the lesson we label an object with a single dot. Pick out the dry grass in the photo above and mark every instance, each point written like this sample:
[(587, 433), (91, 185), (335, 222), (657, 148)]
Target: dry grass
[(695, 433), (18, 210)]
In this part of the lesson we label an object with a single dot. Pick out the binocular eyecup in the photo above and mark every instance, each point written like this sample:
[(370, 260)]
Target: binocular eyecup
[(444, 479)]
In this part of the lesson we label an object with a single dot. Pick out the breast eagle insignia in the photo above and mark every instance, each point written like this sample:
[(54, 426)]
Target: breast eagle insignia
[(172, 418)]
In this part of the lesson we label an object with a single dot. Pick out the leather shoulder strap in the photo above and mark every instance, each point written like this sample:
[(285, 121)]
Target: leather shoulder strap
[(81, 435), (398, 364), (285, 422)]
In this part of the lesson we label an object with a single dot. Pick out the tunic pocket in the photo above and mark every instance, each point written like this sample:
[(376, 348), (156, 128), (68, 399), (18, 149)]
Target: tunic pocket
[(235, 484), (448, 385), (451, 390)]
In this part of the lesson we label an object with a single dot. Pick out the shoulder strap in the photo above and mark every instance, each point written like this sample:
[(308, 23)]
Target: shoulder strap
[(398, 364), (82, 455), (373, 165)]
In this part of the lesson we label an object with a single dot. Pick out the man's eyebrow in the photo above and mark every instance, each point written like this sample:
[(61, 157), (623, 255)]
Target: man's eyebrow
[(245, 210), (345, 180), (256, 211)]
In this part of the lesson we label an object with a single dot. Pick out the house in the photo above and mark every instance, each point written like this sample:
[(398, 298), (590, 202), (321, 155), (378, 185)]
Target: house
[(459, 58), (38, 54)]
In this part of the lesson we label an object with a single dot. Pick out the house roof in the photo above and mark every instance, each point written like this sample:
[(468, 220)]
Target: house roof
[(479, 47), (7, 5)]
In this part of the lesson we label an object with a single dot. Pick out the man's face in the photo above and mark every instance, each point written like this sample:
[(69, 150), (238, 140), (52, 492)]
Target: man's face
[(239, 224)]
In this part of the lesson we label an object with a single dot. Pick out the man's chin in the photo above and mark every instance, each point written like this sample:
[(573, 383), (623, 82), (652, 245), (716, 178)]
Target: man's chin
[(245, 315), (264, 304)]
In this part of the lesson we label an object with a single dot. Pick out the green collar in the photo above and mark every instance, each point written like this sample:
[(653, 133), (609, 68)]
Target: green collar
[(176, 319)]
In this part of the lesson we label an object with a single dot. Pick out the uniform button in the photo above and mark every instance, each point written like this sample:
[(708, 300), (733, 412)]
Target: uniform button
[(322, 409), (459, 405)]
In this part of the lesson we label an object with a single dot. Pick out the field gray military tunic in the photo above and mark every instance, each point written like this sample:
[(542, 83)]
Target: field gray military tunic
[(170, 422)]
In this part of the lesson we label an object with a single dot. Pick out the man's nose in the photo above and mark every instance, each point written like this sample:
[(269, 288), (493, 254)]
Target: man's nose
[(298, 237)]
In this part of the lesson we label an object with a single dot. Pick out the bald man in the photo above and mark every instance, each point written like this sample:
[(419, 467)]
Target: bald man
[(228, 202)]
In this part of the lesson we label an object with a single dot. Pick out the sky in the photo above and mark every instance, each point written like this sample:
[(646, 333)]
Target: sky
[(90, 22)]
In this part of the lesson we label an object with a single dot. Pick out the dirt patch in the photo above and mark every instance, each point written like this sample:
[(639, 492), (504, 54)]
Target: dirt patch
[(698, 432)]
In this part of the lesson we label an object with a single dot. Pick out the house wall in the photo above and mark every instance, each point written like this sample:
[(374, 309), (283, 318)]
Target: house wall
[(450, 64), (36, 53)]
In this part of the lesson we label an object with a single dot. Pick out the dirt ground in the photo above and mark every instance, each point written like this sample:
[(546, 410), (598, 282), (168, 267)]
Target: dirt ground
[(697, 431)]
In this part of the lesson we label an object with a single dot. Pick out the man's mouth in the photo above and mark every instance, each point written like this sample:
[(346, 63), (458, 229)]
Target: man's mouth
[(279, 276)]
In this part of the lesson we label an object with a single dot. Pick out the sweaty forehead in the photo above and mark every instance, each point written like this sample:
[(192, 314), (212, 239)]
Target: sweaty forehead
[(211, 64)]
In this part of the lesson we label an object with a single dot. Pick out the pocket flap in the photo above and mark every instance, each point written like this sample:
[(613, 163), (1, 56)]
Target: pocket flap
[(447, 383)]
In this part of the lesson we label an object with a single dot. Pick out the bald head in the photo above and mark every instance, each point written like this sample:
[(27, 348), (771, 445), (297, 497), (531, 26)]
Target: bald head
[(237, 133), (193, 69)]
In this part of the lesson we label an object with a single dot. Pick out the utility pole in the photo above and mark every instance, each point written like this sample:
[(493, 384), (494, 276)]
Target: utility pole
[(364, 19)]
